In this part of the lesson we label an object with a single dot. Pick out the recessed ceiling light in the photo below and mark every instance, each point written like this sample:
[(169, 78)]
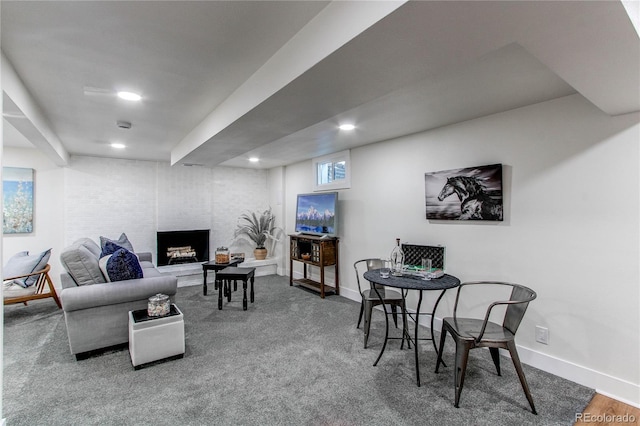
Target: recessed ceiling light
[(347, 127), (118, 145), (129, 96), (254, 159)]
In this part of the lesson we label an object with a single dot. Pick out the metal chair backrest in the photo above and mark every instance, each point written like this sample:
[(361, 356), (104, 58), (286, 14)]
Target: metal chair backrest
[(371, 263), (521, 295), (516, 305)]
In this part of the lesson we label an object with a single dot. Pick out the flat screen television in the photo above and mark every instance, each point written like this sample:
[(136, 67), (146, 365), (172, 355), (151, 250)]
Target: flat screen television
[(316, 214)]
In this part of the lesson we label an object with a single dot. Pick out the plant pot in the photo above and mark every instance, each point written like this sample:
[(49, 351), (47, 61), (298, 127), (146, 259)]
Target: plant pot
[(260, 254)]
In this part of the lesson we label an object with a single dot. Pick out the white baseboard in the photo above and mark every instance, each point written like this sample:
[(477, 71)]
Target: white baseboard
[(268, 266), (607, 385), (612, 387)]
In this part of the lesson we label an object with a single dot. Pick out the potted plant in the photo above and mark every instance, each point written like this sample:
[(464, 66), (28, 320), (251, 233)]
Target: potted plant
[(257, 227)]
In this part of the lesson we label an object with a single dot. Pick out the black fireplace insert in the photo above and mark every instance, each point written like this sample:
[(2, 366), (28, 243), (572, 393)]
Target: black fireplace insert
[(175, 247)]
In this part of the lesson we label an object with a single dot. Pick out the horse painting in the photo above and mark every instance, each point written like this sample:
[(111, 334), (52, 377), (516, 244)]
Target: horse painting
[(475, 202)]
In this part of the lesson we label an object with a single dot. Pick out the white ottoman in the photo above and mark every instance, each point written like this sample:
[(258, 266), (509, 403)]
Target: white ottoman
[(155, 338)]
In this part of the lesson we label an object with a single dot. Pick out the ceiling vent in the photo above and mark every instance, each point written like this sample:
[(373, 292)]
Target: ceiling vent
[(123, 124)]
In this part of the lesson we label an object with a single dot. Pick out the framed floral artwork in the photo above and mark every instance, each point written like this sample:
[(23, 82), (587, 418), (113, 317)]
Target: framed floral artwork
[(17, 192)]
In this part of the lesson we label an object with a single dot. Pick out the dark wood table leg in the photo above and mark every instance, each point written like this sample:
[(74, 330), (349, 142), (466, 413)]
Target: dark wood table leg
[(227, 286), (220, 285), (252, 289), (244, 294), (204, 284), (290, 271)]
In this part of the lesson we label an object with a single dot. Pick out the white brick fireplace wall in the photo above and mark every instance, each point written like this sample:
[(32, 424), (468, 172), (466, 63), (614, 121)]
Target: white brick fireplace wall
[(105, 196), (108, 196)]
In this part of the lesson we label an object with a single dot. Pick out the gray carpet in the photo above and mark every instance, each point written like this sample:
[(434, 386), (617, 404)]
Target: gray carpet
[(291, 359)]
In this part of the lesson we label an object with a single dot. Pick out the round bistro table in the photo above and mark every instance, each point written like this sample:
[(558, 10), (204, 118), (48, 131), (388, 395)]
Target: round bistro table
[(406, 283)]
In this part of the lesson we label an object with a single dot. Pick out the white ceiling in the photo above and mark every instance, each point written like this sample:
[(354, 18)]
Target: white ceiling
[(225, 80)]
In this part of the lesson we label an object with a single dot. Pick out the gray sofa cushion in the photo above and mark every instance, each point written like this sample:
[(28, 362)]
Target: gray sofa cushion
[(90, 245), (148, 270), (81, 261)]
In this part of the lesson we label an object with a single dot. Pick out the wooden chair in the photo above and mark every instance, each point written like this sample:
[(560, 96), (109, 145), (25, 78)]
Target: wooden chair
[(17, 294)]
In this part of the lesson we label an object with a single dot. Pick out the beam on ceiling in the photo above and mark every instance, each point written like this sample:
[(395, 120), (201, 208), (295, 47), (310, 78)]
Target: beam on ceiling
[(333, 27), (30, 121)]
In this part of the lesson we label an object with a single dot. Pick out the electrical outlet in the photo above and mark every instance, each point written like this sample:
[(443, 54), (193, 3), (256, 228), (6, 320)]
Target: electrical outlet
[(542, 335)]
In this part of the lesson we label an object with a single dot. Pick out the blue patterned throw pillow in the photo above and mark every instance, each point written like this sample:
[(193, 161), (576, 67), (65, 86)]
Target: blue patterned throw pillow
[(110, 247), (123, 265)]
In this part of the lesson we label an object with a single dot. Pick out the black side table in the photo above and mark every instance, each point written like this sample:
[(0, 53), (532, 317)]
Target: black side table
[(215, 267), (223, 282)]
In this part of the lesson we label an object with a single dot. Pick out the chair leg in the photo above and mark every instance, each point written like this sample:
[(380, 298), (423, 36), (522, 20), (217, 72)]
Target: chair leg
[(495, 355), (462, 357), (360, 316), (523, 381), (443, 336), (368, 308), (394, 311), (52, 289)]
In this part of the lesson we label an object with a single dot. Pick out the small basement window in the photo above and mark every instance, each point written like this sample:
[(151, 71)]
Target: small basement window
[(332, 171)]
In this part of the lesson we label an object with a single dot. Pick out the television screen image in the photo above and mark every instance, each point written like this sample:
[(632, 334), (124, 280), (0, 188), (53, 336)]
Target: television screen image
[(316, 213)]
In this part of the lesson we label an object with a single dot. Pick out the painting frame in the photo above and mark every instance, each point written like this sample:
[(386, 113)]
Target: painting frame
[(470, 193), (18, 197)]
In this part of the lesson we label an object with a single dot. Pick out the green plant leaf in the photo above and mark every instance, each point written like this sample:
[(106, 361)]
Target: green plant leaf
[(256, 227)]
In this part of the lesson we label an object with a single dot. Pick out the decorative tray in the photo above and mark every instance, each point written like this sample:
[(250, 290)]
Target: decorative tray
[(417, 271)]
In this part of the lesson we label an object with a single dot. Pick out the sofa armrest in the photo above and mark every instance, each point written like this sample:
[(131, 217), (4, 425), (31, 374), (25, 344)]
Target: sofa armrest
[(91, 296), (145, 256)]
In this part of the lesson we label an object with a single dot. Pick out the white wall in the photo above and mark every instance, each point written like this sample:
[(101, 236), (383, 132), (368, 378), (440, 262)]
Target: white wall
[(571, 186), (47, 216), (276, 181), (235, 191), (184, 197), (105, 197)]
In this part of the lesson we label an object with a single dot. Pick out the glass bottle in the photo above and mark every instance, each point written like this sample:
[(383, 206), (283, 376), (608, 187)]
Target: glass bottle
[(397, 259)]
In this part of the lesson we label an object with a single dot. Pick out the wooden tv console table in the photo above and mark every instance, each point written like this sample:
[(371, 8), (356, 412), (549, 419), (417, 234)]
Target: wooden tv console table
[(323, 251)]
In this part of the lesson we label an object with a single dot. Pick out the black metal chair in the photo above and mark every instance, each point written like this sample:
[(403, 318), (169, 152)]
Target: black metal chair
[(370, 299), (470, 333)]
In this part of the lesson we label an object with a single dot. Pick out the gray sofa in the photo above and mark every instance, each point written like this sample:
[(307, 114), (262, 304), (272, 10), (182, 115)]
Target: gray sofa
[(96, 311)]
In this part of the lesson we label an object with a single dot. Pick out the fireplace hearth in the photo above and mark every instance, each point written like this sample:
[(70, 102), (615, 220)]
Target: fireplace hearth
[(176, 247)]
